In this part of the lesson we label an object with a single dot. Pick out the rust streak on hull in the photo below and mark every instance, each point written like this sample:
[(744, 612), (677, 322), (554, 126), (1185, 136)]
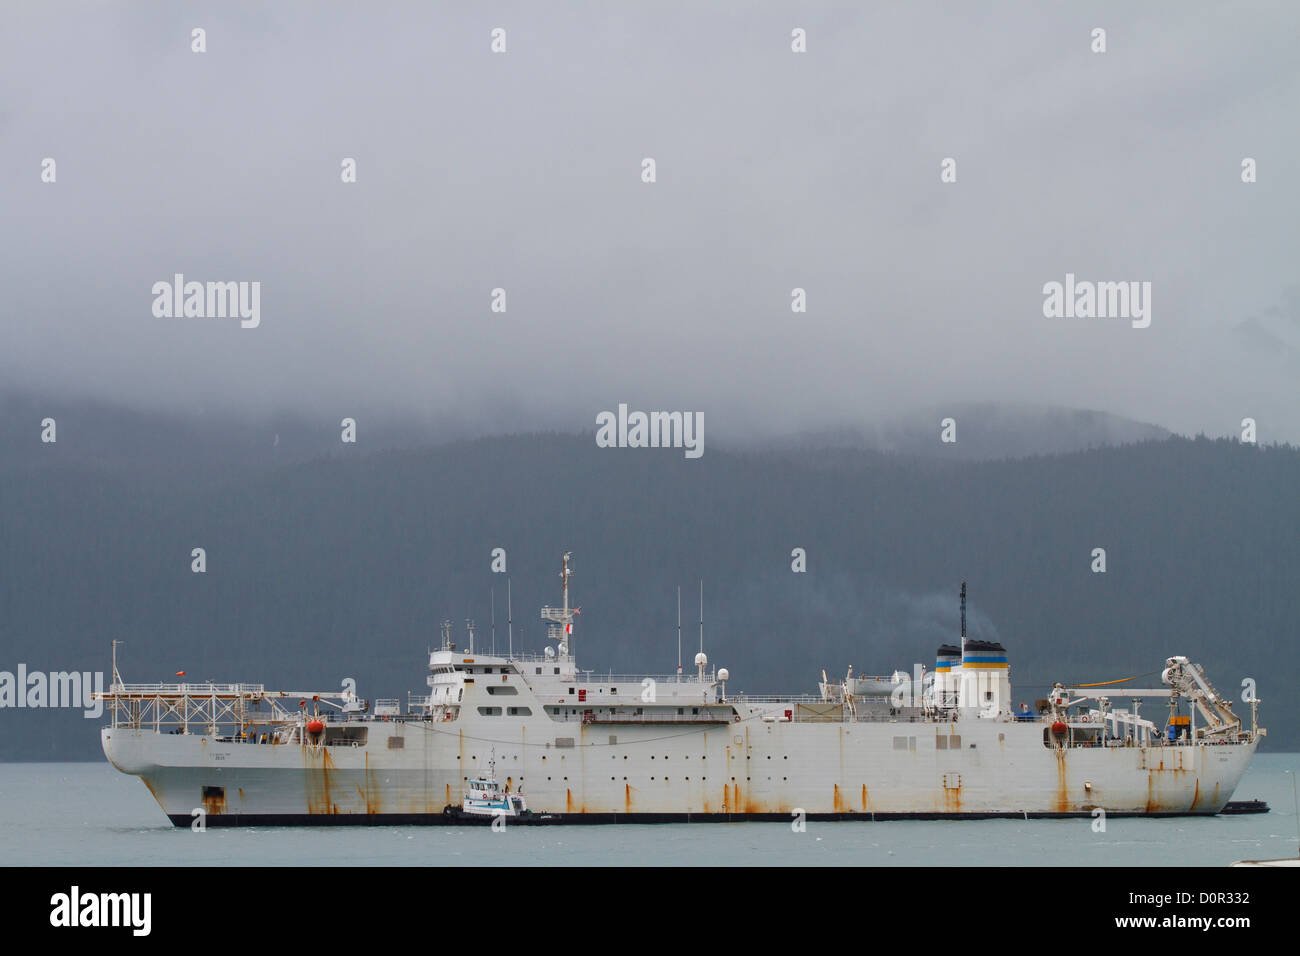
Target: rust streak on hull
[(952, 799), (372, 791), (319, 798), (215, 805), (1062, 787)]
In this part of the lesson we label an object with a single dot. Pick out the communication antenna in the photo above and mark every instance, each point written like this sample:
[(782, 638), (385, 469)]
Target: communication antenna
[(492, 597), (469, 626), (679, 632), (510, 620), (701, 615), (963, 620)]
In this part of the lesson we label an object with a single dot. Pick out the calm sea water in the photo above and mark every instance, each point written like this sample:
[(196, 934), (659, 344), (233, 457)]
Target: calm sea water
[(89, 814)]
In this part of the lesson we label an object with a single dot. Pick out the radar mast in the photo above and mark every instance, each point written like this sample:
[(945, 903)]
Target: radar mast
[(560, 618)]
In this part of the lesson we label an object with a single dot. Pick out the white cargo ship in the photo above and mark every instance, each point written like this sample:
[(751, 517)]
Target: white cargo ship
[(587, 748)]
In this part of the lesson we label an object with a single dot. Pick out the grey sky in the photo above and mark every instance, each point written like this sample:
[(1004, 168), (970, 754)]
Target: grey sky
[(775, 170)]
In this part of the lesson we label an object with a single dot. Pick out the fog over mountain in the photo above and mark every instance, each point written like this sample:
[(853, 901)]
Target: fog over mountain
[(775, 171), (164, 447), (982, 431)]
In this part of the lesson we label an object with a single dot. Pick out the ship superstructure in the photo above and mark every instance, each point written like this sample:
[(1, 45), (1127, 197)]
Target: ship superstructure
[(588, 748)]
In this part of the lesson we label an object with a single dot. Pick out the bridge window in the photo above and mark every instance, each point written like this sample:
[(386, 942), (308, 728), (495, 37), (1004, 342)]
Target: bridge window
[(490, 711)]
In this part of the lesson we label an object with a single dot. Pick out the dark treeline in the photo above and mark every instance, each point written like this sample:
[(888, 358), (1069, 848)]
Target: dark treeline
[(344, 566)]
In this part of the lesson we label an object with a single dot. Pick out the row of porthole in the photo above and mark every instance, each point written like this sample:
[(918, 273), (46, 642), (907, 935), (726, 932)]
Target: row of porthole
[(566, 779), (686, 757), (615, 757), (733, 779)]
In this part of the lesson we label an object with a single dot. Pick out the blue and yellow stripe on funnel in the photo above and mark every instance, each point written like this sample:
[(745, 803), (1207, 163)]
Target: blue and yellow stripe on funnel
[(985, 661)]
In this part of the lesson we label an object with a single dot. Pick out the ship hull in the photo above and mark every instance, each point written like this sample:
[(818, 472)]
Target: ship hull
[(625, 819), (408, 772)]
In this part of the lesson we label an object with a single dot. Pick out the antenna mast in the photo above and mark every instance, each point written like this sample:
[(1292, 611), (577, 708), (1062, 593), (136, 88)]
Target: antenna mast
[(493, 599), (510, 620), (561, 618), (679, 632), (700, 659), (963, 620)]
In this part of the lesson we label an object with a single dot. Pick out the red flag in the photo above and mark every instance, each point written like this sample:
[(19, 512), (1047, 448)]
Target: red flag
[(180, 673)]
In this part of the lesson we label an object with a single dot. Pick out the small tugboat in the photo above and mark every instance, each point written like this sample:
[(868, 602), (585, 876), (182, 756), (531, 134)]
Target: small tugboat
[(484, 796), (485, 801)]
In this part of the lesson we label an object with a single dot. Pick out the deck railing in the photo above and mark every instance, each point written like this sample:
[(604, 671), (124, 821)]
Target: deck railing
[(204, 689)]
